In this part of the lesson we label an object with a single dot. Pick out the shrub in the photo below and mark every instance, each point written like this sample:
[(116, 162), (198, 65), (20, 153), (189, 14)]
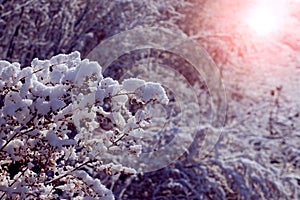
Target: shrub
[(58, 118)]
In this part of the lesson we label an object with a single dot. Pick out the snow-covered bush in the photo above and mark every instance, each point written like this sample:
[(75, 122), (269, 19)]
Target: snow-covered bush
[(47, 28), (248, 158), (58, 118)]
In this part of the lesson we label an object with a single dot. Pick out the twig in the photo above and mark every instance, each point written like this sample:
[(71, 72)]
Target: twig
[(68, 173)]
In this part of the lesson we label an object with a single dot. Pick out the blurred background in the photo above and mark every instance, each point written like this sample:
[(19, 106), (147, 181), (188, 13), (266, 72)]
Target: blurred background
[(254, 43)]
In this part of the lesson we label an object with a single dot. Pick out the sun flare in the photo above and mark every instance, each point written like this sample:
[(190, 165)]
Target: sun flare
[(266, 17)]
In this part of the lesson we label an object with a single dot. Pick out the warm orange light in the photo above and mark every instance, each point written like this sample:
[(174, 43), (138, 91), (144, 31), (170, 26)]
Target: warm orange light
[(266, 16)]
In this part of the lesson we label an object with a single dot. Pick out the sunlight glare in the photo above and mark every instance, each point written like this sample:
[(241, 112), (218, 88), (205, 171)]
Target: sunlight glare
[(266, 17)]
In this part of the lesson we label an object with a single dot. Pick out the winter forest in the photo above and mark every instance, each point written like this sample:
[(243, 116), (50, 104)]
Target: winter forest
[(150, 99)]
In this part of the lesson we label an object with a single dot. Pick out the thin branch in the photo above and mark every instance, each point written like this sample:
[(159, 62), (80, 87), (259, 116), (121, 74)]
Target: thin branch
[(68, 173), (15, 135)]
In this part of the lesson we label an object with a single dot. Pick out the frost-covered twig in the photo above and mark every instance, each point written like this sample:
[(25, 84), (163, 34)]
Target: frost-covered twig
[(61, 115)]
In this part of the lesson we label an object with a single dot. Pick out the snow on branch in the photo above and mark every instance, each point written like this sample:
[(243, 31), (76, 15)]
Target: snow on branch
[(57, 118)]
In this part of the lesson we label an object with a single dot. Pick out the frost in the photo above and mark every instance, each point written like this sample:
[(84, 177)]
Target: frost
[(59, 116)]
